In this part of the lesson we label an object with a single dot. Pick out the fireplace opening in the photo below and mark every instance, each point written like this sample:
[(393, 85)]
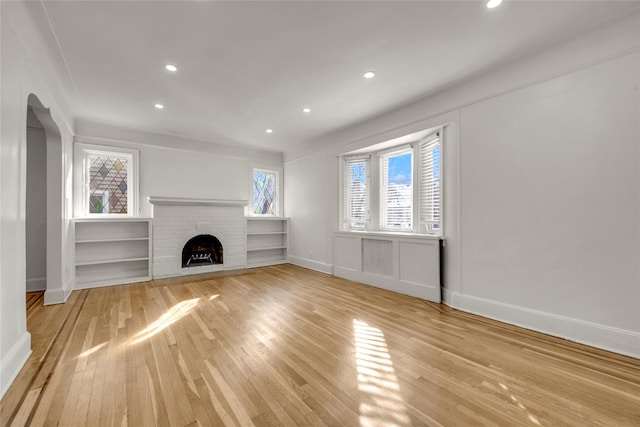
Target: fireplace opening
[(203, 249)]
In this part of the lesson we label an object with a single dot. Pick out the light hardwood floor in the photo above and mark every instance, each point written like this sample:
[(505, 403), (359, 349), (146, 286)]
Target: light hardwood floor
[(287, 346)]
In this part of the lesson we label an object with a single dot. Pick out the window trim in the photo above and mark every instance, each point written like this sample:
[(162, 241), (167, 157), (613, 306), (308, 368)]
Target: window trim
[(278, 196), (81, 152), (374, 225)]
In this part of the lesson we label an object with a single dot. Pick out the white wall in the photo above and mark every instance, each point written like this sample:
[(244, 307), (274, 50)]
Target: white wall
[(542, 188), (36, 206), (550, 197), (196, 170), (25, 70), (175, 173), (306, 192)]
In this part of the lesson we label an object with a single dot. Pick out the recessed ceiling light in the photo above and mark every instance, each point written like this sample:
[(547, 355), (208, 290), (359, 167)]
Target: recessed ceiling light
[(306, 110), (493, 3), (171, 67), (159, 106), (269, 130), (369, 75)]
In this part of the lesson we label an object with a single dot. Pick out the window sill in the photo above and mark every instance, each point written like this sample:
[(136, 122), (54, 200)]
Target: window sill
[(390, 234), (107, 218), (266, 217)]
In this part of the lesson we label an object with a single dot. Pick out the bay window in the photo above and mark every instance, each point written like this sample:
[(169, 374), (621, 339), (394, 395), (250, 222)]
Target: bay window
[(395, 189)]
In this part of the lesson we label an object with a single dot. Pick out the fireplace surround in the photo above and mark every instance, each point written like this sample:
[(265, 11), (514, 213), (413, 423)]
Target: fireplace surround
[(176, 221)]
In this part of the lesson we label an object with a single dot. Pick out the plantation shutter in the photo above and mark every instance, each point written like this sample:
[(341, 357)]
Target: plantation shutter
[(356, 182), (396, 207), (430, 183)]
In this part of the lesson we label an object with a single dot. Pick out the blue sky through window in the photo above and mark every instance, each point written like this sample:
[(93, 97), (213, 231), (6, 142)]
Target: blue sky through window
[(359, 173), (400, 169), (436, 163)]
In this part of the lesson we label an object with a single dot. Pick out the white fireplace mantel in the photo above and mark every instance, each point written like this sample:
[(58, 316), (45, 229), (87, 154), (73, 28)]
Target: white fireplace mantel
[(177, 201)]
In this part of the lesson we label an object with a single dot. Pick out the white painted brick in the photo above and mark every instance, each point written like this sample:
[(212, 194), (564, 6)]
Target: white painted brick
[(173, 226)]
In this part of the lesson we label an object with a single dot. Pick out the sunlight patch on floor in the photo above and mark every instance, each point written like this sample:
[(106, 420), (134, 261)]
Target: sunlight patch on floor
[(515, 400), (92, 350), (174, 314), (381, 403)]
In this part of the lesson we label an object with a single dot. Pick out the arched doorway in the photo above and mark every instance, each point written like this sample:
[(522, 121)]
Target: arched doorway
[(36, 205), (43, 201)]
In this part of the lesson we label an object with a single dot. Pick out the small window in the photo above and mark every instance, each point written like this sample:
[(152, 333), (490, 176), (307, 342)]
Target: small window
[(265, 191), (356, 213), (430, 183), (106, 180)]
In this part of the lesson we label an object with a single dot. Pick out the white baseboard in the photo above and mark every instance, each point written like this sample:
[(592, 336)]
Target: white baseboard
[(13, 362), (617, 340), (38, 284), (447, 297), (266, 263), (422, 291), (115, 282), (311, 264), (56, 296)]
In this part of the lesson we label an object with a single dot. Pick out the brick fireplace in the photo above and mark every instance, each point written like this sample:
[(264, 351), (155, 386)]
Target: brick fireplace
[(178, 221)]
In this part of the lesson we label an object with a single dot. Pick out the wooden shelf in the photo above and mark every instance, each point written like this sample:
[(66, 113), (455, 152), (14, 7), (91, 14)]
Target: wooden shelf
[(112, 261), (112, 251), (266, 233), (267, 241), (112, 240), (267, 248)]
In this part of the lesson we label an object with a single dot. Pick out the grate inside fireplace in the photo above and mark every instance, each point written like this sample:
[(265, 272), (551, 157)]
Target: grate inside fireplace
[(203, 249)]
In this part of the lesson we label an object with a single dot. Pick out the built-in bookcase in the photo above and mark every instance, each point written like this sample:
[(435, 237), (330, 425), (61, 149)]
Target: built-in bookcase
[(267, 241), (112, 251)]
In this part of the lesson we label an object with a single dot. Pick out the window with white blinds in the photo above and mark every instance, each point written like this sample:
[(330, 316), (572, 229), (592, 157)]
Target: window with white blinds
[(430, 183), (396, 190), (356, 203)]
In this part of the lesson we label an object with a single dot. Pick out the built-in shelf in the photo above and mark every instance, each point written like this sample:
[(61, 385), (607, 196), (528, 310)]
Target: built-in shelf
[(268, 248), (267, 241), (111, 240), (267, 233), (112, 251), (112, 261)]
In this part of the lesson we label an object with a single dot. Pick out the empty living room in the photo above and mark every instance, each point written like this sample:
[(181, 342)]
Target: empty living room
[(319, 213)]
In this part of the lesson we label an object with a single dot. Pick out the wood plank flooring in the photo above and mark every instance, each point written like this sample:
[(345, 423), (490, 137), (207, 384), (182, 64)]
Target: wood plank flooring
[(288, 346)]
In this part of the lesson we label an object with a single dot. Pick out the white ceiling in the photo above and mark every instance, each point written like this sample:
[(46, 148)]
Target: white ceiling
[(248, 66)]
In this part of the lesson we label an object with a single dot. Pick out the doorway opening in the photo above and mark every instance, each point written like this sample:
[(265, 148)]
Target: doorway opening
[(36, 206), (43, 204)]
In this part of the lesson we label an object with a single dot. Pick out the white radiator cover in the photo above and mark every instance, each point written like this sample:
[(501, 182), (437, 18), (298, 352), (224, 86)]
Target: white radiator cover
[(407, 264)]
